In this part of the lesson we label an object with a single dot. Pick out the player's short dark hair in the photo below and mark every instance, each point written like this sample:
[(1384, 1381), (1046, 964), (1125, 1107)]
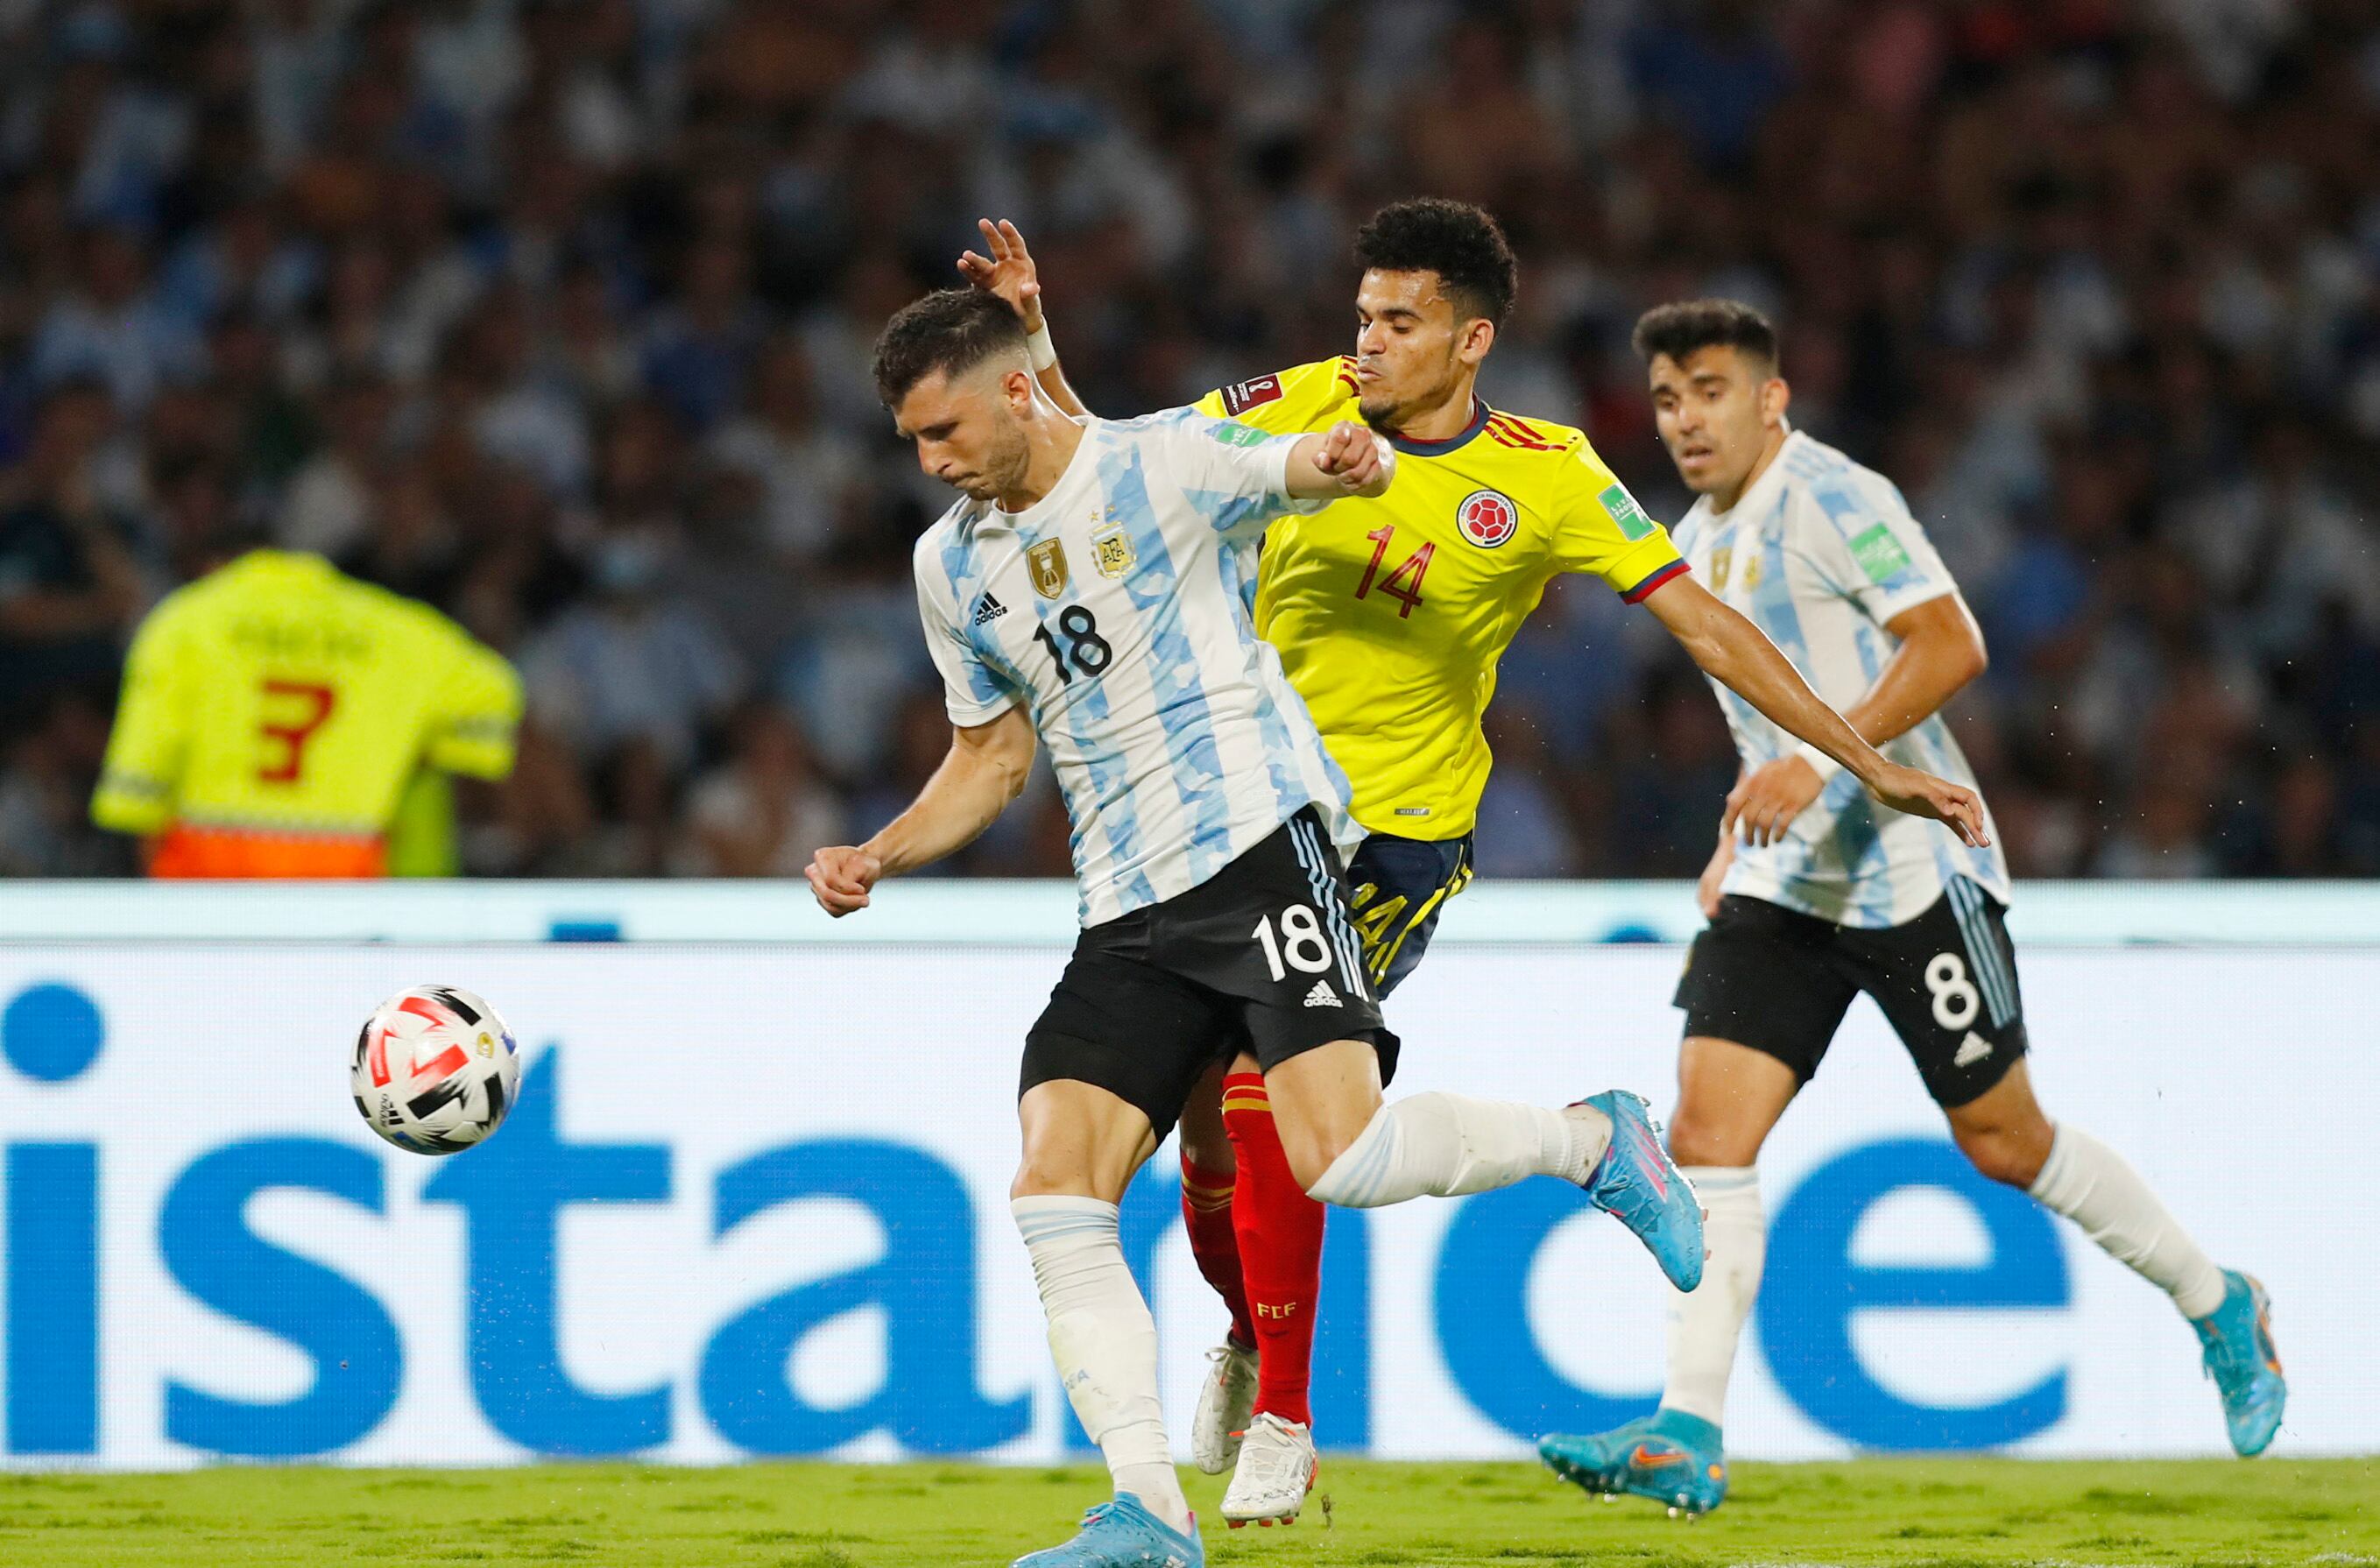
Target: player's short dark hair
[(951, 330), (1689, 325), (1462, 244)]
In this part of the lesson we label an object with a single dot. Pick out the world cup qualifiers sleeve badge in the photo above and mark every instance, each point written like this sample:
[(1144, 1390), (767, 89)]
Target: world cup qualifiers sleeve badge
[(1242, 396)]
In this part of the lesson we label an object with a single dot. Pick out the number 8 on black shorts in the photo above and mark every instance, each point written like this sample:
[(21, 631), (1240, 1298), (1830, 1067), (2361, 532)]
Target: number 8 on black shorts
[(1779, 982)]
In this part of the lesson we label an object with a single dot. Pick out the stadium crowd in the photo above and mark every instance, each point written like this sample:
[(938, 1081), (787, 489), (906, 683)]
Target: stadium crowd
[(556, 315)]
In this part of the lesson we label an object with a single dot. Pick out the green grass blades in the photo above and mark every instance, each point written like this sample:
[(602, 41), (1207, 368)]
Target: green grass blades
[(1935, 1512)]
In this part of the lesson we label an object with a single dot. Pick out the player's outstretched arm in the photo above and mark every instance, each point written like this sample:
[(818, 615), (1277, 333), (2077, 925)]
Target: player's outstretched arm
[(1732, 652), (1010, 272), (986, 769), (1347, 459), (1941, 649)]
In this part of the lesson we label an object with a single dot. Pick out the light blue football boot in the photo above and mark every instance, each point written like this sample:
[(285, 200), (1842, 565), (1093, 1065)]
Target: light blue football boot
[(1669, 1456), (1122, 1534), (1637, 1183), (2240, 1358)]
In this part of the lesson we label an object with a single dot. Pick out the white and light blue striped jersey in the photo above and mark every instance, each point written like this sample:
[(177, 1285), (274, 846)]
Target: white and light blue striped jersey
[(1116, 609), (1820, 552)]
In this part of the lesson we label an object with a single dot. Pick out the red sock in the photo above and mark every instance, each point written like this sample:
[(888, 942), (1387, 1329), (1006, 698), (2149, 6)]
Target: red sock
[(1207, 1215), (1280, 1250)]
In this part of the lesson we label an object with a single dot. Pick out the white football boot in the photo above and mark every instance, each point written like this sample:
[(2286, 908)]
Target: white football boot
[(1276, 1471), (1225, 1397)]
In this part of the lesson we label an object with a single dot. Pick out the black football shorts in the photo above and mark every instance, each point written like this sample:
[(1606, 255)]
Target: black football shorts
[(1262, 957), (1779, 982)]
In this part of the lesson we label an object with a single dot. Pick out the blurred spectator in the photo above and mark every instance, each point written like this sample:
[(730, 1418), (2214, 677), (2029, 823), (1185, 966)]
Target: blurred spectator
[(556, 313), (327, 505), (628, 669), (807, 473), (762, 813), (113, 328), (1523, 830), (70, 591), (46, 778)]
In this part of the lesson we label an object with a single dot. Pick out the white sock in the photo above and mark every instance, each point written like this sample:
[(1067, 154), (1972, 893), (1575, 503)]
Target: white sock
[(1105, 1343), (1446, 1145), (1706, 1322), (2089, 1183)]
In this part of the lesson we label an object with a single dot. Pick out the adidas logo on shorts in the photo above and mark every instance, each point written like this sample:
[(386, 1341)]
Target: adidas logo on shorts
[(1323, 996), (1972, 1049), (991, 609)]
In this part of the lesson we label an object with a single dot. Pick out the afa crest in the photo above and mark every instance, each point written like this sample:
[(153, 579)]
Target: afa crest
[(1111, 552), (1047, 561), (1487, 517)]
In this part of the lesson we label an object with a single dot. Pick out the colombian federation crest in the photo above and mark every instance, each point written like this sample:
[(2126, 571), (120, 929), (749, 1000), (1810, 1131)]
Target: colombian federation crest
[(1487, 517), (1111, 552), (1046, 561)]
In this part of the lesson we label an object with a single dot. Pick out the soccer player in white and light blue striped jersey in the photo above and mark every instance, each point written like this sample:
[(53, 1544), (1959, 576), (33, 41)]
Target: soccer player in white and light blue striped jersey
[(1823, 555), (1814, 898), (1087, 591), (1177, 740)]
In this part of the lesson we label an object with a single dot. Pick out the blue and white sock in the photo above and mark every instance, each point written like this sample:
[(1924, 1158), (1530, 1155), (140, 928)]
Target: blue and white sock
[(1706, 1322), (1441, 1145), (1105, 1344), (2091, 1185)]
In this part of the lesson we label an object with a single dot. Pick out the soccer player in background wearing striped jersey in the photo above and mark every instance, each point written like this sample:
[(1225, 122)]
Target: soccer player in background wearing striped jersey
[(1390, 614), (1814, 898)]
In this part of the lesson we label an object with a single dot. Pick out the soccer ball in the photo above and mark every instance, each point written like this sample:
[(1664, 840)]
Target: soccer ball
[(435, 1070)]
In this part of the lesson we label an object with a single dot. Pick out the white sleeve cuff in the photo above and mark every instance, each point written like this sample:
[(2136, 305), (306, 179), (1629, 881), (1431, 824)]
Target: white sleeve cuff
[(1827, 766)]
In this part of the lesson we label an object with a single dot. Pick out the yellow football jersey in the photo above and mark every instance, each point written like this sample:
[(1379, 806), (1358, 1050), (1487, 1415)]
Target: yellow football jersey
[(1390, 613), (278, 699)]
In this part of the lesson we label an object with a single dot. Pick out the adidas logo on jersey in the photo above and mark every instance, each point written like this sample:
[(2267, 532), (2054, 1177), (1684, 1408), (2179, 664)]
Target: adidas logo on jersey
[(1972, 1049), (991, 609), (1323, 996)]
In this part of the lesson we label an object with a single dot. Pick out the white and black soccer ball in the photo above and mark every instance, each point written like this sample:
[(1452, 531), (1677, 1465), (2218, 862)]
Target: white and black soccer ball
[(435, 1070)]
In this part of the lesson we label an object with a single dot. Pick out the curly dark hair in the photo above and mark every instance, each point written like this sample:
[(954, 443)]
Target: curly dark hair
[(1688, 325), (951, 330), (1462, 244)]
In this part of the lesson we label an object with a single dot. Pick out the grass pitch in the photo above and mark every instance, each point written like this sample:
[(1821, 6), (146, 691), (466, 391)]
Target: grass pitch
[(1938, 1514)]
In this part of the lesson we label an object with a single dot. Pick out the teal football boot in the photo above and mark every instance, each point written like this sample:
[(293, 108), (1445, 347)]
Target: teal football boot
[(1637, 1183), (2236, 1338), (1122, 1534), (1669, 1456)]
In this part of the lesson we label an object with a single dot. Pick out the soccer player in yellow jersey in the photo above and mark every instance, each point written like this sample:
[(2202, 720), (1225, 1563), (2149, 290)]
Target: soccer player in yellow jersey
[(274, 710), (1389, 615)]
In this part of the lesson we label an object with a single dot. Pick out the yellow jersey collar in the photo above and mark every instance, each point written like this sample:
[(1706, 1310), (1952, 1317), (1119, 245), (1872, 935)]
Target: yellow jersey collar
[(1479, 412)]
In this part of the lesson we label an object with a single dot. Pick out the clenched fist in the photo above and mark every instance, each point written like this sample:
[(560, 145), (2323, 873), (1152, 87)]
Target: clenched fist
[(840, 878), (1355, 456)]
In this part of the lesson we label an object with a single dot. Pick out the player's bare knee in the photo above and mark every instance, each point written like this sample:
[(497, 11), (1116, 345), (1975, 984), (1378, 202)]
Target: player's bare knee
[(2003, 1154), (1312, 1144), (1049, 1177), (1053, 1166), (1697, 1138), (1311, 1154)]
